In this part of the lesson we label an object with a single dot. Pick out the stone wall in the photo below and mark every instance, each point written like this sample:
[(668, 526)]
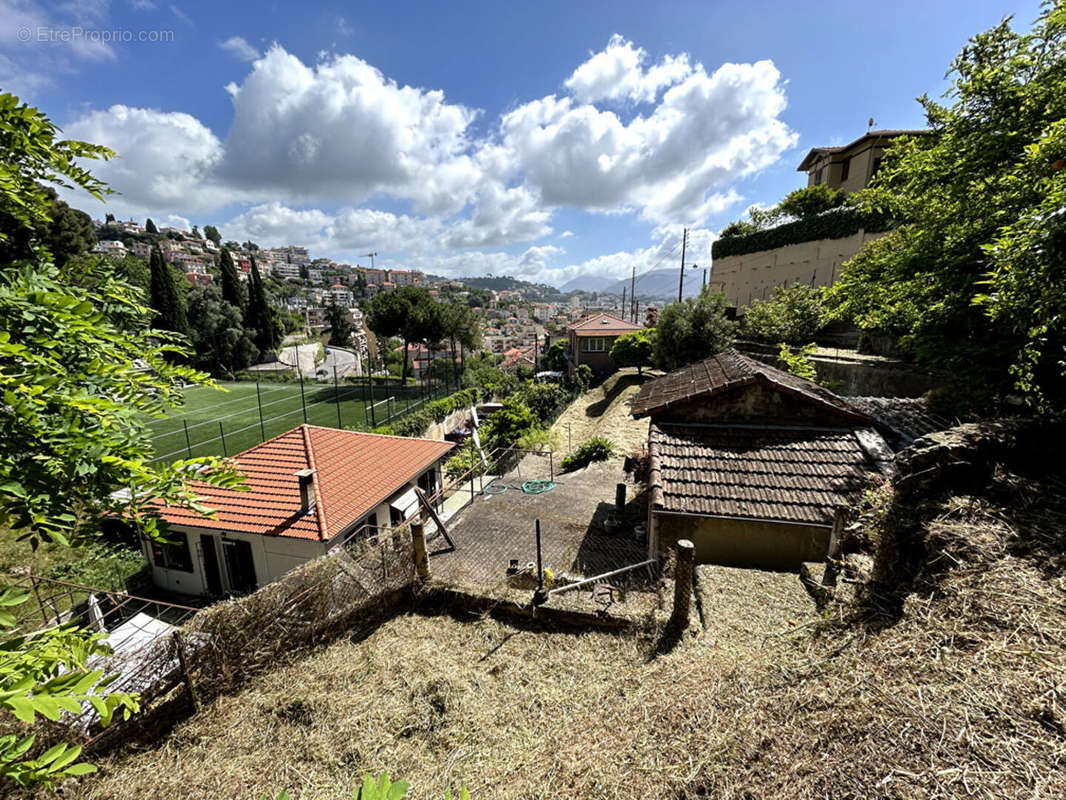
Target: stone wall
[(754, 276)]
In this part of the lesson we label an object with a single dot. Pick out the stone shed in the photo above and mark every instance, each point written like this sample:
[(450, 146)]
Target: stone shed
[(751, 463)]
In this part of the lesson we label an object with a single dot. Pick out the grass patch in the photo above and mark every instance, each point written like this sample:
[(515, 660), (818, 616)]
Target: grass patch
[(102, 564), (283, 409)]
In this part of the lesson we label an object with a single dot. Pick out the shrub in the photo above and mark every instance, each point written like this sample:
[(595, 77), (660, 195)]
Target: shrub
[(508, 424), (465, 459), (595, 449), (799, 363), (835, 224), (633, 350), (793, 315), (538, 439), (810, 201), (543, 399), (692, 330)]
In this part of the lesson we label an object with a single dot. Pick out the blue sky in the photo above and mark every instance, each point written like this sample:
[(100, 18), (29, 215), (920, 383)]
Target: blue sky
[(546, 140)]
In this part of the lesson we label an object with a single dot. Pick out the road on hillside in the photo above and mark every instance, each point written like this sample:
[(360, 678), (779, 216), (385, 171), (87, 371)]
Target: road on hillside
[(344, 360)]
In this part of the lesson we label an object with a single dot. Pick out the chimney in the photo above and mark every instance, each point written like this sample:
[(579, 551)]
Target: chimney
[(307, 494)]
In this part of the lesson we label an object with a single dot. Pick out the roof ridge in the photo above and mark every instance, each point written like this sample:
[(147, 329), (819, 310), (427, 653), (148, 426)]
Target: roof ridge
[(320, 510), (371, 433)]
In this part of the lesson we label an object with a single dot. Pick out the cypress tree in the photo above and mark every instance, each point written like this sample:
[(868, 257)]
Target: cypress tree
[(149, 226), (164, 295), (231, 285), (257, 316)]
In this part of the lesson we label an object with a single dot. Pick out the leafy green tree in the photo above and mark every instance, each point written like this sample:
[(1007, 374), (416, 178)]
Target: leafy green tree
[(220, 342), (794, 315), (509, 423), (810, 201), (555, 358), (211, 233), (66, 232), (739, 227), (460, 327), (633, 350), (164, 296), (149, 226), (340, 329), (232, 291), (79, 371), (971, 202), (196, 232), (408, 312), (692, 330), (258, 317), (1026, 288)]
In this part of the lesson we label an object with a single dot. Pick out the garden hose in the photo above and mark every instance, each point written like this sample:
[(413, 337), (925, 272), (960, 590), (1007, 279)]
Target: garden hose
[(537, 486), (495, 488)]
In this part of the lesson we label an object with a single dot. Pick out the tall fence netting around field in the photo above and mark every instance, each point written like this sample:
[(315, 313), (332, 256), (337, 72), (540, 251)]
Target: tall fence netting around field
[(236, 424)]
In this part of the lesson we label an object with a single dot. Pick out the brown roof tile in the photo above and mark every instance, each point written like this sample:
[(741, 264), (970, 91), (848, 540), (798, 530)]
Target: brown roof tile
[(604, 325), (782, 474), (730, 370)]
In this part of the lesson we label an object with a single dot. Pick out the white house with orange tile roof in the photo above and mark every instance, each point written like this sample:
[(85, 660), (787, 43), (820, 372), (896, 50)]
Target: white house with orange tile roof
[(306, 491)]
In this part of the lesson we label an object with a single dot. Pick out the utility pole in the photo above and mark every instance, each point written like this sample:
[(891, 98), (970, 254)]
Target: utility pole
[(633, 294), (681, 282), (704, 286), (624, 301)]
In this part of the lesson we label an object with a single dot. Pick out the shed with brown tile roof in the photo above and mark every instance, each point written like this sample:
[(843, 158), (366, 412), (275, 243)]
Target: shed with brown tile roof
[(752, 463)]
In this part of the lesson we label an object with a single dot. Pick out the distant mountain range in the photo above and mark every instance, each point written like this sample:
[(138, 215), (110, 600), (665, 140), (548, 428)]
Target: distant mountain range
[(660, 283)]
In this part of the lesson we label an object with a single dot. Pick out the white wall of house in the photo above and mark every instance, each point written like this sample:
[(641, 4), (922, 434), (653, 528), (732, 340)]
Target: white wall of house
[(272, 556)]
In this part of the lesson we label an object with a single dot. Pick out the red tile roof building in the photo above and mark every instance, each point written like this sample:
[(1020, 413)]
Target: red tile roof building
[(591, 340), (352, 478)]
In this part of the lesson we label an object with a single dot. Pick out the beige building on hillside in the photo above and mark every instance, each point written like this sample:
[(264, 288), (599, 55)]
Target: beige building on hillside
[(754, 276), (852, 166)]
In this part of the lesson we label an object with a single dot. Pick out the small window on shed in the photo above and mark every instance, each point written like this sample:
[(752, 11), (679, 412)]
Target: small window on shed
[(845, 168)]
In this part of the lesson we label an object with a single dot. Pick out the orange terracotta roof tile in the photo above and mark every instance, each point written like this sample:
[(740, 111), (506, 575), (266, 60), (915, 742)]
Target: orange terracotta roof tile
[(604, 324), (354, 472)]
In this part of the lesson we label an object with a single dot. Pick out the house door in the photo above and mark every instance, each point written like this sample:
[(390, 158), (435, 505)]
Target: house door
[(239, 565), (212, 574)]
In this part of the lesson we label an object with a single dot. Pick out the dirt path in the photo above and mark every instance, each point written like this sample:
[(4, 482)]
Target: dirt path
[(604, 411)]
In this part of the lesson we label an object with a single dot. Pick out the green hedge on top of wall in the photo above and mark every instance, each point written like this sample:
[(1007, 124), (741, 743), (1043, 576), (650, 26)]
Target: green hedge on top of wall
[(416, 423), (835, 224)]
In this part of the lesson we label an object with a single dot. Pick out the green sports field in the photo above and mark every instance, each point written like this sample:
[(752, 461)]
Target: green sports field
[(238, 411)]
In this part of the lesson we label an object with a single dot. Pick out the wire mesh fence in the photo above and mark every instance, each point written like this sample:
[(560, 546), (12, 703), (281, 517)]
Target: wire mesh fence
[(259, 410)]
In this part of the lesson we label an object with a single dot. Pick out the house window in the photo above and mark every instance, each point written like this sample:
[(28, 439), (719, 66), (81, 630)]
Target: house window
[(818, 175), (845, 167), (594, 344), (173, 554), (876, 166)]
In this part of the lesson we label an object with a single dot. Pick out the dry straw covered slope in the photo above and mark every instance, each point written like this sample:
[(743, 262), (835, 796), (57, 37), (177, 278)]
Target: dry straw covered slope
[(957, 691)]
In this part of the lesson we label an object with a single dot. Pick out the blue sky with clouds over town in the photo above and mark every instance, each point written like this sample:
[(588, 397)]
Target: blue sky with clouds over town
[(548, 141)]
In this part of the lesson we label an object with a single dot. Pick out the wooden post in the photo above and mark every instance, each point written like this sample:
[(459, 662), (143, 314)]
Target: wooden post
[(185, 674), (683, 582), (619, 497), (418, 540)]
